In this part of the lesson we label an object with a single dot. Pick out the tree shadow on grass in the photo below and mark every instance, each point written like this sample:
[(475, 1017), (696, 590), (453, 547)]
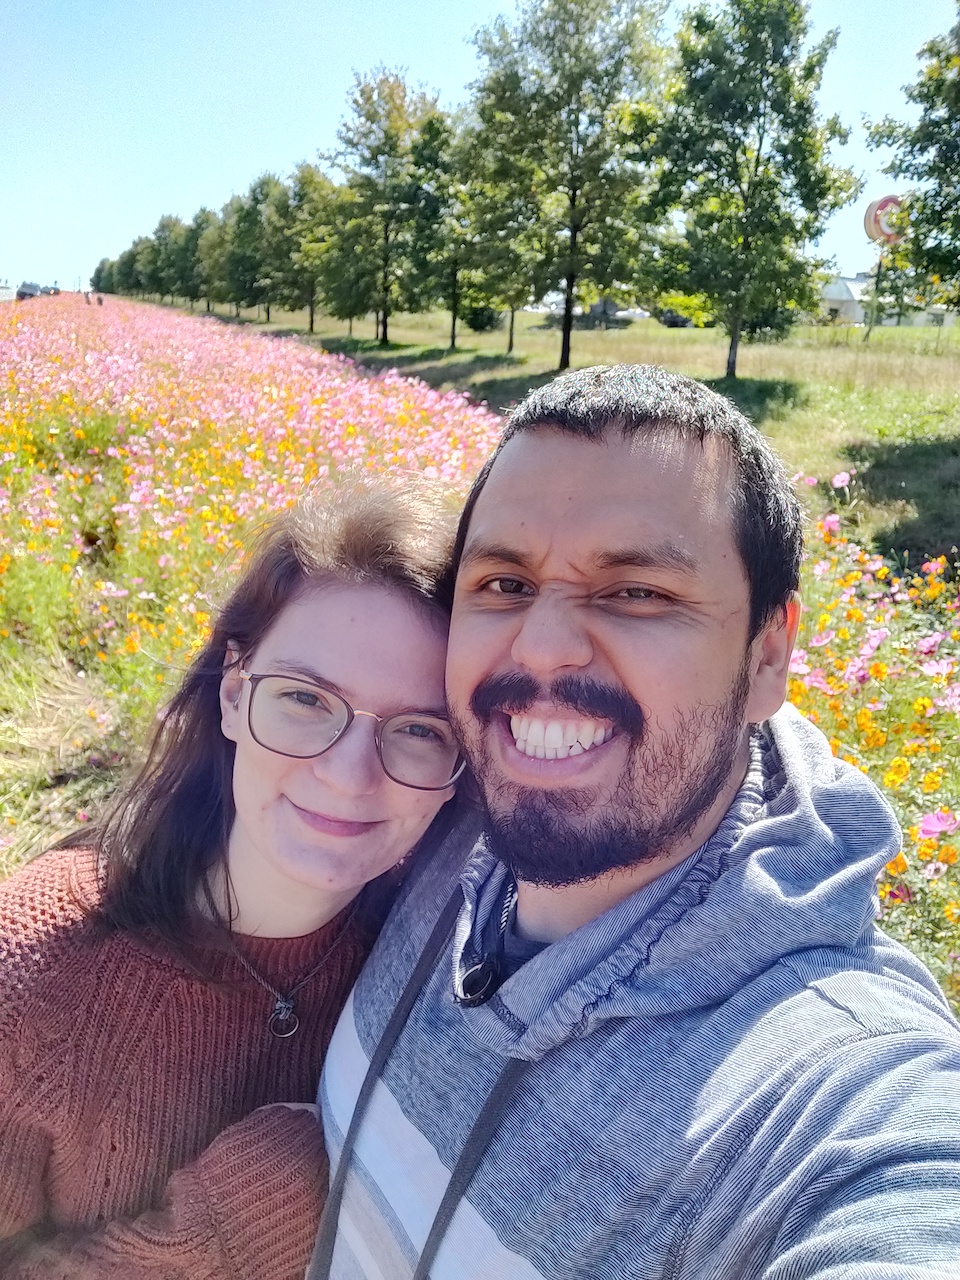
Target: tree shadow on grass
[(762, 399), (921, 480)]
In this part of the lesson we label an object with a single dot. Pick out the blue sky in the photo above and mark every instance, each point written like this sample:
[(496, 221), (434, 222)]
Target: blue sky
[(113, 112)]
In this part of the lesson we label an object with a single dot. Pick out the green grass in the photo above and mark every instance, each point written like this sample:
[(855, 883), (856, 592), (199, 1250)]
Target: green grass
[(828, 400)]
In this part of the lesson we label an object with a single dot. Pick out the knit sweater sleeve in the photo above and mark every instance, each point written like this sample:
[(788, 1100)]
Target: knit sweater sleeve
[(246, 1209)]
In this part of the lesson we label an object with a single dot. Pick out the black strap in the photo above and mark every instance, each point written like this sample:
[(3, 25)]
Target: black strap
[(322, 1258), (477, 1142)]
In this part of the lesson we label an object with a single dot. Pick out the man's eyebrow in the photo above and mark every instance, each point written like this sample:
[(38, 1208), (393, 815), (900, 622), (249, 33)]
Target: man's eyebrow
[(662, 555), (477, 552)]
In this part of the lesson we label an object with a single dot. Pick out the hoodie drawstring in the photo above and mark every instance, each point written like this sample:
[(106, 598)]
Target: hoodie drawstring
[(477, 1140)]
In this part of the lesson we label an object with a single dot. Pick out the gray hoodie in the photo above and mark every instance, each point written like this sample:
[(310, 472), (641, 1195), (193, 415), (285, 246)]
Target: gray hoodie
[(740, 1078)]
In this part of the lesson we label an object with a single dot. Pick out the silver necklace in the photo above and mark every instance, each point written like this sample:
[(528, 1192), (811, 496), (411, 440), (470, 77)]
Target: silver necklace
[(283, 1021)]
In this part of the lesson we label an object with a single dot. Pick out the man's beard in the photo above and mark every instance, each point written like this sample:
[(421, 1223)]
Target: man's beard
[(565, 837)]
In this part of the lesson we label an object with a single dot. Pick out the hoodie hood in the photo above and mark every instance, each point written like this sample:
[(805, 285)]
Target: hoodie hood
[(791, 868)]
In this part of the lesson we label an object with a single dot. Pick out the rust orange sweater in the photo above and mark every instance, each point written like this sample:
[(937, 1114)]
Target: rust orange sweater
[(119, 1068)]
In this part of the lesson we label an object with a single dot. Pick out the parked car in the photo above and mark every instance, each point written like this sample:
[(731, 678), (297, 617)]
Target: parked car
[(673, 319), (28, 290)]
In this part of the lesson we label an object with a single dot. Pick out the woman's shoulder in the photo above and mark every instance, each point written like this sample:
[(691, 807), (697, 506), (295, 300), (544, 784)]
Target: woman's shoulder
[(45, 914)]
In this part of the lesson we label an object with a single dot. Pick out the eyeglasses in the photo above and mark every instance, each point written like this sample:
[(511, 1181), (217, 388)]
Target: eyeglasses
[(300, 719)]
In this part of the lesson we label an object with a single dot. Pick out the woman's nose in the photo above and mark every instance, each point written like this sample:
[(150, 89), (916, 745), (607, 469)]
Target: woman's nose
[(352, 766)]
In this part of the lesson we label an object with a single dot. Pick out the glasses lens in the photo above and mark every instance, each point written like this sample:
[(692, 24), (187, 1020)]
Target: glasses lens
[(295, 718), (419, 751)]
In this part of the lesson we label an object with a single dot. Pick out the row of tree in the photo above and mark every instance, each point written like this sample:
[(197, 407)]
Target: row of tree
[(591, 159)]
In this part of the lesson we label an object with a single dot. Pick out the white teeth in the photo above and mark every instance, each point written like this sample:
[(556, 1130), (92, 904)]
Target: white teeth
[(556, 739)]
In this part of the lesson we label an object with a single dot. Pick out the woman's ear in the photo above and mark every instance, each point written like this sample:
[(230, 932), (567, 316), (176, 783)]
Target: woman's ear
[(231, 693)]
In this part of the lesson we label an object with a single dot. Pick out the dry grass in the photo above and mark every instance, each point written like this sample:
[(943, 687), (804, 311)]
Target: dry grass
[(57, 760)]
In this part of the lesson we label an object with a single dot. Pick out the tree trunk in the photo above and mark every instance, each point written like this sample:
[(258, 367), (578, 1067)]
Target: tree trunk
[(350, 327), (385, 283), (312, 306), (454, 305), (571, 280), (732, 350), (384, 337), (513, 312), (208, 306), (268, 312), (376, 325)]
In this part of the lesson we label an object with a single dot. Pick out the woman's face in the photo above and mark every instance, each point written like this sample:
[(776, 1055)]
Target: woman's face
[(317, 830)]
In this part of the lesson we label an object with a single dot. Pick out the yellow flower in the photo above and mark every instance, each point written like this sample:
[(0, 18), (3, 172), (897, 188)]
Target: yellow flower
[(948, 854), (921, 706), (952, 912), (897, 773), (878, 670), (932, 781), (926, 849), (898, 865)]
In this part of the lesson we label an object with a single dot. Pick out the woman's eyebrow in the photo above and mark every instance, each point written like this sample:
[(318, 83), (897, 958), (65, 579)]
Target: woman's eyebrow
[(285, 666)]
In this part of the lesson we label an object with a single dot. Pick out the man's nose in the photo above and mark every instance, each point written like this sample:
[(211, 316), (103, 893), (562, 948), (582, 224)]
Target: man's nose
[(552, 636)]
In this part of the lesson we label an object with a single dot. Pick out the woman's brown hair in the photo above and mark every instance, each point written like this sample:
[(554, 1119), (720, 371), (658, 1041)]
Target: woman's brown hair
[(170, 826)]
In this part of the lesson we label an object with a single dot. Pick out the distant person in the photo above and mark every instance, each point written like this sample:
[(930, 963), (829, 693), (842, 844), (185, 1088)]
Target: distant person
[(86, 298), (649, 1028), (190, 968), (99, 300)]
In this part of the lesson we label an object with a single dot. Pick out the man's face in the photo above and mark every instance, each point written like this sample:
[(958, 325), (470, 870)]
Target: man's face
[(599, 671)]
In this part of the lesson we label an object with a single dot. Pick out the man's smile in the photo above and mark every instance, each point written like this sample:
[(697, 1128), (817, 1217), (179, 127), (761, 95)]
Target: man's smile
[(556, 738)]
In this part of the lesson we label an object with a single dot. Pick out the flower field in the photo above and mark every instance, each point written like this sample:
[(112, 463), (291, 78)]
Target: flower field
[(137, 447)]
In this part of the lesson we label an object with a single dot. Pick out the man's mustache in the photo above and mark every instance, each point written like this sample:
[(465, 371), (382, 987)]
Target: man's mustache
[(516, 692)]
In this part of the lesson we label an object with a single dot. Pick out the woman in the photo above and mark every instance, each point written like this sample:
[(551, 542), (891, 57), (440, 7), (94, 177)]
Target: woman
[(190, 969)]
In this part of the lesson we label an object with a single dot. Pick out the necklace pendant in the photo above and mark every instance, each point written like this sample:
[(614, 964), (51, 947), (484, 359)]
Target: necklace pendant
[(283, 1022)]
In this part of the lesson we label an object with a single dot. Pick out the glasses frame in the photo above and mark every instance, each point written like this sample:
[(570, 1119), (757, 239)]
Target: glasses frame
[(352, 712)]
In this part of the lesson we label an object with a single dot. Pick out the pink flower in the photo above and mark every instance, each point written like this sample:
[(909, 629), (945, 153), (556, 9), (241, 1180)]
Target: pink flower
[(951, 699), (934, 870), (831, 523), (940, 822), (841, 480), (942, 667), (810, 480), (930, 643), (821, 638), (798, 665)]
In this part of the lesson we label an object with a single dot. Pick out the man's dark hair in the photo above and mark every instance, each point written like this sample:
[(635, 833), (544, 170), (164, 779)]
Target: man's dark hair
[(635, 398)]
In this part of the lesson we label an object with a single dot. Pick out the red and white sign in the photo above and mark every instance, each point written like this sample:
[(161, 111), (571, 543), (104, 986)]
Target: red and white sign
[(878, 221)]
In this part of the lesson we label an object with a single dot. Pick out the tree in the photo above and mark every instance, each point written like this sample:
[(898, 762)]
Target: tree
[(928, 153), (552, 101), (102, 279), (171, 267), (376, 156), (196, 285), (256, 245), (347, 271), (743, 151), (444, 235), (309, 232)]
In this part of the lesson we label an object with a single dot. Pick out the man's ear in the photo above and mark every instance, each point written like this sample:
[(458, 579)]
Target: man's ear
[(231, 693), (770, 655)]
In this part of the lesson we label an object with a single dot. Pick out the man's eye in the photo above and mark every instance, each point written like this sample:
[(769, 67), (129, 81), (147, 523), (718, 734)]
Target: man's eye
[(507, 586), (637, 593)]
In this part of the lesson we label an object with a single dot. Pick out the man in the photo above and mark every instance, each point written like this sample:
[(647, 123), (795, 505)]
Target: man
[(648, 1029)]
